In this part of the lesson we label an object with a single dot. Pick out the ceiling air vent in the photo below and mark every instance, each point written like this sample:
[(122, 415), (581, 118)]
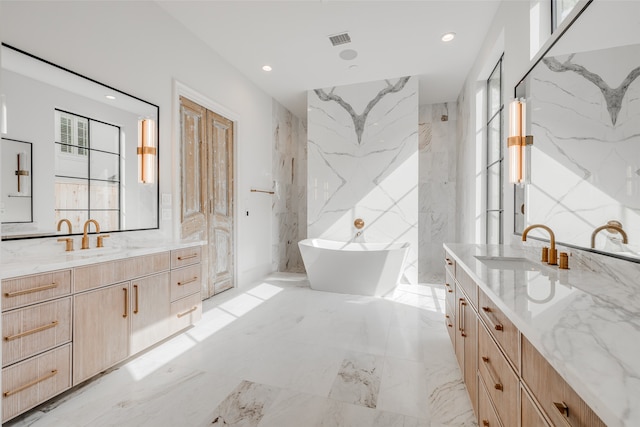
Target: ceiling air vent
[(341, 38)]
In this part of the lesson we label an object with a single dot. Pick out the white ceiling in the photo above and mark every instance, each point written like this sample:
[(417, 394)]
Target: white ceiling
[(392, 38)]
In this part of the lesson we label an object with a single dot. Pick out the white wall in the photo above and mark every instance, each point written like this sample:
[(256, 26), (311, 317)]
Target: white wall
[(138, 48)]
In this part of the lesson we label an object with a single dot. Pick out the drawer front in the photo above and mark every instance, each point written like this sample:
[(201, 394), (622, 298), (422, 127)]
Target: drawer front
[(487, 416), (185, 281), (107, 273), (449, 263), (29, 383), (501, 328), (502, 383), (185, 312), (186, 256), (468, 285), (530, 415), (34, 329), (450, 322), (27, 290), (449, 288), (558, 400)]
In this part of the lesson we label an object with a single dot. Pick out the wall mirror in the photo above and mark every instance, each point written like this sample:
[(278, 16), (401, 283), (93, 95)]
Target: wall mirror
[(81, 149), (583, 109)]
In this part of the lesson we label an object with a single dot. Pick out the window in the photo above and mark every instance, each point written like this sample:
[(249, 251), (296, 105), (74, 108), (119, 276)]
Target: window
[(560, 9), (87, 171), (494, 158)]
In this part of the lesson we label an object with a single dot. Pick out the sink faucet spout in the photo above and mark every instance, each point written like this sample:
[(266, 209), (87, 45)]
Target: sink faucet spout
[(553, 256)]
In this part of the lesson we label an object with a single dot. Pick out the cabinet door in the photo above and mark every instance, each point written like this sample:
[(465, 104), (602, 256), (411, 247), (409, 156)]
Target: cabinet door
[(149, 311), (101, 330), (529, 415)]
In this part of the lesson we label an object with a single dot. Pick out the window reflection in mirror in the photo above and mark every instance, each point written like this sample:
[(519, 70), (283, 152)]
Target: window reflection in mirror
[(560, 9)]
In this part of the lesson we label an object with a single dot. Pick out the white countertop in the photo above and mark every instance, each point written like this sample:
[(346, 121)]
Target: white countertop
[(49, 255), (585, 321)]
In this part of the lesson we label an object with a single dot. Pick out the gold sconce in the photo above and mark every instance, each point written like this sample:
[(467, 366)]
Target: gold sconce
[(22, 168), (518, 144), (147, 151)]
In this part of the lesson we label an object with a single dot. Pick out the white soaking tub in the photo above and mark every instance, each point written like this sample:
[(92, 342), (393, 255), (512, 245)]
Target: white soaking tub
[(353, 268)]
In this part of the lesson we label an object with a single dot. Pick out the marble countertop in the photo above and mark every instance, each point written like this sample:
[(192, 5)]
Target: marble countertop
[(49, 255), (585, 321)]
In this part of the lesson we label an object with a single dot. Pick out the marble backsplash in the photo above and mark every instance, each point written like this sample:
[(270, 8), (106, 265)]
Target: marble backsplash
[(363, 163)]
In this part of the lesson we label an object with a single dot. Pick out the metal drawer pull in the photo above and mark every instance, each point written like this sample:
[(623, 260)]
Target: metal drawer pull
[(449, 262), (188, 281), (126, 302), (187, 312), (31, 384), (135, 310), (32, 331), (496, 384), (485, 423), (180, 258), (462, 317), (497, 325), (449, 287), (30, 291), (564, 412)]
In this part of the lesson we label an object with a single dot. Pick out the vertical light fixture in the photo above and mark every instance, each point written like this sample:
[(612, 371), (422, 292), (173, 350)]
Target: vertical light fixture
[(518, 144), (22, 169), (147, 151)]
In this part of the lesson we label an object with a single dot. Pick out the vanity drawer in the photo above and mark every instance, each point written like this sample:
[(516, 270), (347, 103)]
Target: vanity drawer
[(449, 263), (449, 287), (186, 256), (502, 383), (185, 281), (26, 290), (450, 321), (469, 286), (185, 312), (107, 273), (29, 383), (555, 396), (530, 416), (32, 330), (503, 331), (487, 416)]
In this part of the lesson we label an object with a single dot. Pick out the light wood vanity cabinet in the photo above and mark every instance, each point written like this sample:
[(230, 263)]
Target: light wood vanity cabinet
[(61, 328), (530, 415), (487, 416)]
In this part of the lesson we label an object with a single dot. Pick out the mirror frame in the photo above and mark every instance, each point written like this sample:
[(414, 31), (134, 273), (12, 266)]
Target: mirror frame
[(518, 91), (157, 162)]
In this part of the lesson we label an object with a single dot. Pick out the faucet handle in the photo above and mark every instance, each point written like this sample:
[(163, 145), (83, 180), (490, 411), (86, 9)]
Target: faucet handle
[(101, 238), (69, 243), (545, 254), (564, 261)]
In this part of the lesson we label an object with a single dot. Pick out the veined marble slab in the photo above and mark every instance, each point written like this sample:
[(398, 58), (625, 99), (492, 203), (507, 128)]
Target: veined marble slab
[(585, 321)]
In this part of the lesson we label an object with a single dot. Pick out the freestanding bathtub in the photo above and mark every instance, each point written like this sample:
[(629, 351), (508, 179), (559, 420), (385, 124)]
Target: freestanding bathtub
[(353, 268)]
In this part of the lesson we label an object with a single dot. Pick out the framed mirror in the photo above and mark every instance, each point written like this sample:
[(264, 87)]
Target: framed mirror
[(583, 109), (92, 152)]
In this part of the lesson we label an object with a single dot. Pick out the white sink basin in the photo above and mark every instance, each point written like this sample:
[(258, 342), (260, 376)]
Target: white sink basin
[(509, 263)]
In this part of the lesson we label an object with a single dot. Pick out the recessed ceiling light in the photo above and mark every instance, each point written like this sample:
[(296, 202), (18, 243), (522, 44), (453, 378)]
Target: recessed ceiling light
[(447, 37), (348, 54), (111, 97), (267, 68)]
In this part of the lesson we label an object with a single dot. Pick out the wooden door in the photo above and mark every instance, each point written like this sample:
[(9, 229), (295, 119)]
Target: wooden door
[(150, 311), (100, 330), (220, 220), (207, 191)]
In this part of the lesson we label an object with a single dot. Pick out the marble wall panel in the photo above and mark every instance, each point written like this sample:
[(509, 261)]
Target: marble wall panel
[(363, 163)]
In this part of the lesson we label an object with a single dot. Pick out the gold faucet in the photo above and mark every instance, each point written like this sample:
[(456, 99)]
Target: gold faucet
[(552, 254), (68, 224), (85, 238), (612, 227)]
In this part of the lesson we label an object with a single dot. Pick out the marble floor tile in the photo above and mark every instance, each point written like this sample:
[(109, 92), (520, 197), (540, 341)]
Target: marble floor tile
[(276, 353), (358, 381)]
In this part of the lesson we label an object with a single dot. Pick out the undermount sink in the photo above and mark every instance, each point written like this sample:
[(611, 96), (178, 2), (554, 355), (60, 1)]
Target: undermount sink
[(508, 263)]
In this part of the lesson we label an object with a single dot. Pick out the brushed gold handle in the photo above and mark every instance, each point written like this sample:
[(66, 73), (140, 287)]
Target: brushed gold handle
[(449, 262), (564, 413), (459, 314), (496, 384), (485, 423), (188, 281), (187, 312), (463, 303), (30, 291), (31, 383), (497, 325), (135, 310), (180, 258), (448, 288), (126, 302), (32, 331)]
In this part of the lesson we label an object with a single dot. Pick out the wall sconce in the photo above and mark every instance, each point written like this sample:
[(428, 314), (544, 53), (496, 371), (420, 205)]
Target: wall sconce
[(147, 151), (519, 145), (22, 169)]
